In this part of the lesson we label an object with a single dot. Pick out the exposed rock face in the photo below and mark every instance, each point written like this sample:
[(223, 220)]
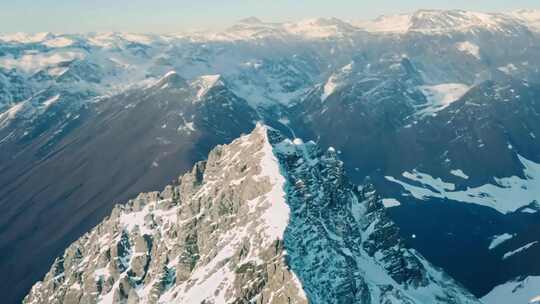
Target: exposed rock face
[(80, 130), (341, 242), (151, 134), (263, 220)]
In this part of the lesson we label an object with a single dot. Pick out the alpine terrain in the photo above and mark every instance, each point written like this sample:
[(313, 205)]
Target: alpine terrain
[(263, 220), (438, 111)]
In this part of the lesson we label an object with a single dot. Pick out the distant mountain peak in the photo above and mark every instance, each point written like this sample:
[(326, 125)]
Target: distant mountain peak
[(170, 80), (205, 83), (250, 20), (438, 20)]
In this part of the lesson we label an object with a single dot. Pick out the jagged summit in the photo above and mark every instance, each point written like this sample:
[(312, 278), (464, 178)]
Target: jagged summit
[(265, 219), (250, 20), (437, 21), (205, 83), (170, 80)]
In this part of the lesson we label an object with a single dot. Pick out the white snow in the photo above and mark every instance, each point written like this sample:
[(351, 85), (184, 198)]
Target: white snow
[(31, 63), (389, 24), (7, 116), (506, 195), (57, 71), (190, 126), (437, 22), (102, 272), (499, 239), (276, 217), (168, 74), (469, 48), (329, 88), (459, 173), (139, 38), (520, 249), (268, 218), (298, 141), (204, 84), (49, 102), (530, 17), (508, 69), (390, 202), (427, 179), (24, 37), (319, 28), (316, 28), (110, 40), (58, 42), (528, 210), (211, 281), (515, 292), (162, 82), (336, 81), (441, 96), (187, 126)]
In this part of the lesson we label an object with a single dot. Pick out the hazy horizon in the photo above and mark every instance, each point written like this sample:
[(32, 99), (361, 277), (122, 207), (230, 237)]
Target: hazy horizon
[(167, 16)]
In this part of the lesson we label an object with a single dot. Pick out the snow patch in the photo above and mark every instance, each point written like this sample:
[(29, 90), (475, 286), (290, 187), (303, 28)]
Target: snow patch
[(387, 24), (441, 96), (520, 249), (58, 42), (508, 69), (31, 63), (187, 127), (336, 81), (390, 202), (516, 291), (530, 17), (507, 195), (276, 217), (459, 173), (319, 28), (469, 48), (57, 71), (25, 37), (49, 102), (11, 113), (499, 239), (205, 83)]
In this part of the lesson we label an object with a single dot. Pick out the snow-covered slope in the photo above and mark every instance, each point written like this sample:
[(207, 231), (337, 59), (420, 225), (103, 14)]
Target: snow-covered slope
[(499, 239), (265, 219), (505, 195), (441, 96), (531, 17), (525, 290), (444, 21), (358, 87)]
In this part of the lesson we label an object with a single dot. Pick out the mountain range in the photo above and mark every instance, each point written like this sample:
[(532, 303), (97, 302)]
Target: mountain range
[(438, 110), (265, 220)]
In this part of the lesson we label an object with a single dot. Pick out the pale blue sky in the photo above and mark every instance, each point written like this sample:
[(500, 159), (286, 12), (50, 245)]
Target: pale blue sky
[(165, 16)]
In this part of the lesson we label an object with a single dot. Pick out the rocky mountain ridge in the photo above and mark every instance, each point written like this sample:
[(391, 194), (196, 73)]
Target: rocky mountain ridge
[(263, 220), (88, 120)]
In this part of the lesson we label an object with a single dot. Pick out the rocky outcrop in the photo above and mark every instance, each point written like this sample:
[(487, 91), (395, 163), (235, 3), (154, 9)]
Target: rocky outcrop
[(263, 220)]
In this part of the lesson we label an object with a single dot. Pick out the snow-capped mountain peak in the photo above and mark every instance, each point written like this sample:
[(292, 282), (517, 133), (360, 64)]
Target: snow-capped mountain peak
[(529, 16), (442, 21), (26, 37), (250, 20), (205, 83), (170, 80), (263, 218), (320, 28), (337, 80)]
